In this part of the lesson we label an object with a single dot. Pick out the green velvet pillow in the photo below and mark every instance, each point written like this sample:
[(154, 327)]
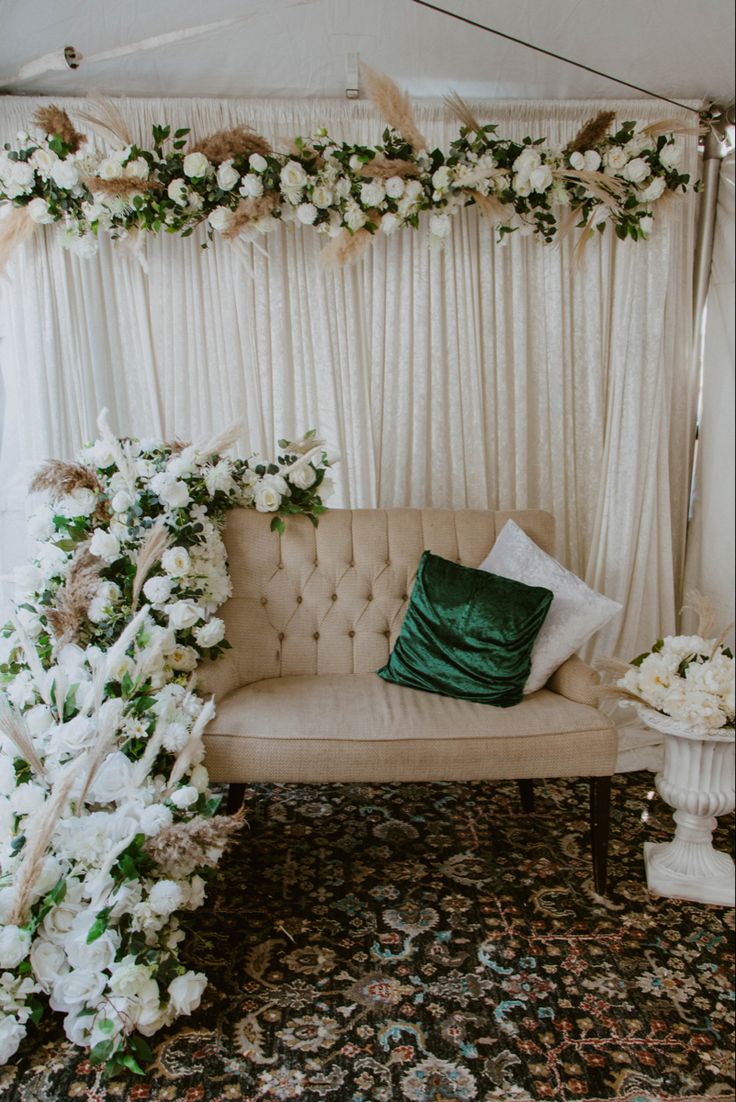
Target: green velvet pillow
[(467, 634)]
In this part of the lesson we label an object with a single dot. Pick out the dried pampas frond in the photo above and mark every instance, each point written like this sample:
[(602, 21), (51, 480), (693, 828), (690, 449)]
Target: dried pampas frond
[(54, 121), (149, 553), (119, 185), (39, 835), (238, 141), (73, 597), (248, 211), (604, 691), (345, 248), (108, 122), (123, 461), (672, 126), (220, 442), (176, 445), (181, 848), (613, 666), (14, 726), (394, 105), (185, 757), (15, 228), (704, 609), (382, 168), (591, 133), (489, 206), (32, 660), (462, 111), (607, 189), (58, 478)]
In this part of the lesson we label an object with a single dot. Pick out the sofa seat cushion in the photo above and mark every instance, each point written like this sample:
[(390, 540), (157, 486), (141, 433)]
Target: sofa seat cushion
[(359, 728)]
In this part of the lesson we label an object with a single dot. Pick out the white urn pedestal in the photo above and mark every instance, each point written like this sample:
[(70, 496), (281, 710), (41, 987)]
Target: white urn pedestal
[(697, 780)]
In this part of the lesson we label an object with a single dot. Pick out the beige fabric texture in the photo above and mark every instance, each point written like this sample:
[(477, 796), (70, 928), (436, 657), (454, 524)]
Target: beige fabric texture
[(314, 614), (357, 727)]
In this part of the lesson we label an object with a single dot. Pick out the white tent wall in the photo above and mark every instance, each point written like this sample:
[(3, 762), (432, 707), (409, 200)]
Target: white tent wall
[(710, 544), (481, 376)]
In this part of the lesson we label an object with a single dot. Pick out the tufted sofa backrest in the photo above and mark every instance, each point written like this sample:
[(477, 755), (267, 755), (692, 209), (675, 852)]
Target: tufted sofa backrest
[(331, 599)]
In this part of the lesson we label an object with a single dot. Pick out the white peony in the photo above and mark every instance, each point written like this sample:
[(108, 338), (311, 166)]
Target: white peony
[(183, 614), (441, 178), (440, 225), (211, 633), (157, 590), (354, 216), (670, 155), (81, 502), (165, 896), (395, 187), (104, 546), (137, 169), (170, 491), (615, 159), (64, 174), (15, 944), (372, 193), (183, 658), (227, 176), (252, 186), (155, 818), (306, 213), (322, 197), (185, 992), (121, 502), (389, 223), (637, 170), (195, 166), (526, 162), (220, 219)]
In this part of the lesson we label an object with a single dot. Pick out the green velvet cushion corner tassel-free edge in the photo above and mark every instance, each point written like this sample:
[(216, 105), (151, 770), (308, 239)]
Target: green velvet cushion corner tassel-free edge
[(467, 634)]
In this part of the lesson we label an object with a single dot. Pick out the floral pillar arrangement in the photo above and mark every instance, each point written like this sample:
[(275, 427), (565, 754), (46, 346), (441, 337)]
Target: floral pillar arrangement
[(684, 688), (108, 829)]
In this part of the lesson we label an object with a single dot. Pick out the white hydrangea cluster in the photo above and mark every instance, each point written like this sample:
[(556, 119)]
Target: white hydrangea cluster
[(688, 678), (101, 745)]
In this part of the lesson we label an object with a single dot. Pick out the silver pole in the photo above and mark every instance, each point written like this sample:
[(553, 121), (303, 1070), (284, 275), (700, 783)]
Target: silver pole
[(713, 154)]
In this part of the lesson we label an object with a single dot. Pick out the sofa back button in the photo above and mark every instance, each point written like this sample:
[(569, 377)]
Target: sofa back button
[(388, 562), (387, 634), (351, 634), (352, 562), (281, 636), (369, 597), (333, 597), (280, 566), (316, 635), (264, 600), (299, 600), (404, 596)]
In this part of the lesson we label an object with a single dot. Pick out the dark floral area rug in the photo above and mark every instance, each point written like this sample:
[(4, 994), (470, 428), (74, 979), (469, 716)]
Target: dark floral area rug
[(432, 943)]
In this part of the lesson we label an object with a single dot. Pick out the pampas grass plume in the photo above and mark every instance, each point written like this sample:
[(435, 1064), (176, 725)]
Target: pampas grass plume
[(394, 106)]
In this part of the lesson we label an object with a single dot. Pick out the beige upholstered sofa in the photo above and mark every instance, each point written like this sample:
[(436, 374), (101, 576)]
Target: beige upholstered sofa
[(314, 614)]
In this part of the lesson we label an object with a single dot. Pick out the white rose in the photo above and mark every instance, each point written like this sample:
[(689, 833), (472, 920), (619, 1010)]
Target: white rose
[(577, 161), (636, 170), (252, 186), (306, 213), (646, 224), (183, 614), (199, 778), (28, 579), (211, 633), (137, 169), (185, 992), (293, 176), (342, 187), (94, 956), (15, 944), (39, 212), (177, 190), (227, 176), (441, 178), (522, 186), (394, 187), (121, 502), (165, 896), (176, 561), (653, 190), (439, 225), (195, 165), (64, 174), (27, 799), (372, 193), (303, 477), (389, 223), (592, 160), (355, 219), (104, 546), (76, 988), (615, 159), (112, 779), (528, 160), (44, 160), (183, 658), (11, 1035), (184, 797), (48, 961), (355, 163), (75, 735), (158, 590), (219, 219), (540, 178), (670, 155), (170, 491), (257, 162), (321, 197), (266, 499)]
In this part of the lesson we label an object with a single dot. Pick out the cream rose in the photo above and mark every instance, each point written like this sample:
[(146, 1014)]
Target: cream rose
[(540, 178), (177, 190), (39, 212), (195, 165), (64, 174), (257, 162), (227, 176), (176, 561), (321, 197), (137, 169), (183, 614), (15, 944), (104, 546), (185, 992), (266, 499), (211, 633), (293, 176), (636, 170)]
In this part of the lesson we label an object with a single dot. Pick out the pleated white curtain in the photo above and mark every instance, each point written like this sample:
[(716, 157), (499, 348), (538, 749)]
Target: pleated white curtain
[(480, 375)]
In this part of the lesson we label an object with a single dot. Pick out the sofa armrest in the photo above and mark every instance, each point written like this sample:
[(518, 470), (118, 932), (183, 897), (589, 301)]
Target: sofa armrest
[(576, 681), (219, 677)]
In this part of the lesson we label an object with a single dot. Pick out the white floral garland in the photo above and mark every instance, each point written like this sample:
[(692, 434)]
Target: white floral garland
[(236, 185), (106, 819)]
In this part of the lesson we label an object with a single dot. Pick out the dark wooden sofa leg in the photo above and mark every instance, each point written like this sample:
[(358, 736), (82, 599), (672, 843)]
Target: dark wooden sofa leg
[(235, 797), (526, 791), (600, 817)]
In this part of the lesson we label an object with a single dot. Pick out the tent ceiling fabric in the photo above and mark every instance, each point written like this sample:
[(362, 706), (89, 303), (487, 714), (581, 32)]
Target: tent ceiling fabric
[(283, 48)]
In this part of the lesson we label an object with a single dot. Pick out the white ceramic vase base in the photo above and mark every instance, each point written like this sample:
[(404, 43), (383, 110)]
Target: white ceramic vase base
[(697, 780)]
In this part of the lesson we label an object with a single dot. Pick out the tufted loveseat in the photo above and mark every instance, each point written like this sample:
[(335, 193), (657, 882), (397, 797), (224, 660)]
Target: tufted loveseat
[(314, 614)]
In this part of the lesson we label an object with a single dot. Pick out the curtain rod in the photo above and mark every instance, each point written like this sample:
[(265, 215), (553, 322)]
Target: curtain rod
[(549, 53)]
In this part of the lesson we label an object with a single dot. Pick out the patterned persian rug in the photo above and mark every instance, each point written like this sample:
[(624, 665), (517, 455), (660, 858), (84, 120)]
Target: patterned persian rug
[(431, 943)]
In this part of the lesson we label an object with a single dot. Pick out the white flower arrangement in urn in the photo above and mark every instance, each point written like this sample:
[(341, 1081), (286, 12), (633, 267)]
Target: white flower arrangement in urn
[(108, 828)]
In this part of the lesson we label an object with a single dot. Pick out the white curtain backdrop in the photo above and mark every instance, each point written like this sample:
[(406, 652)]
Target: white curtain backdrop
[(710, 547), (486, 376)]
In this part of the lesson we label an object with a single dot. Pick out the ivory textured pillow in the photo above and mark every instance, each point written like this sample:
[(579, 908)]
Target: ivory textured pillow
[(576, 611), (467, 634)]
